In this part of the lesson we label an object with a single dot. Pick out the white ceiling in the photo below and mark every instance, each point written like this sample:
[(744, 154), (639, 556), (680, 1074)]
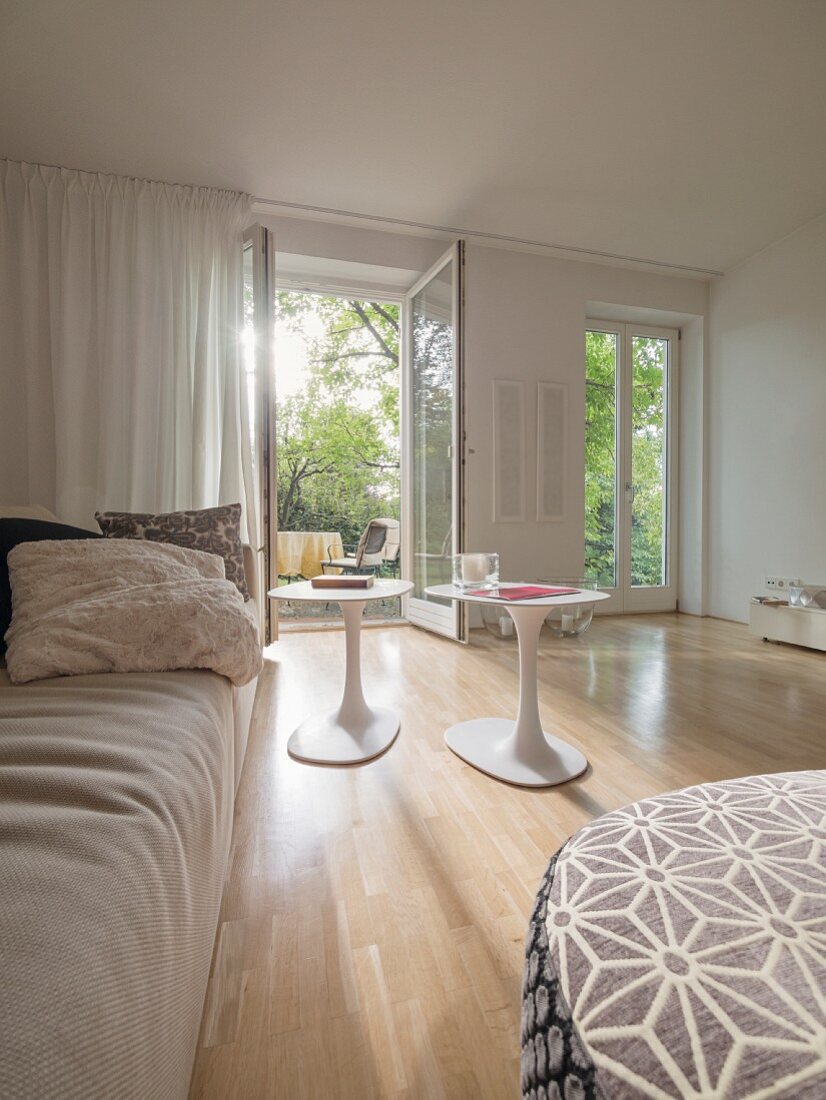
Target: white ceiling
[(685, 131)]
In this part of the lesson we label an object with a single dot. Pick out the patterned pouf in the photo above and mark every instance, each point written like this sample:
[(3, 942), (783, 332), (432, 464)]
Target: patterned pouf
[(678, 949)]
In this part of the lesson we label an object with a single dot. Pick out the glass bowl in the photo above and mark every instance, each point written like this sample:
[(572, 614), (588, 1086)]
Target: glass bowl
[(570, 621), (498, 622)]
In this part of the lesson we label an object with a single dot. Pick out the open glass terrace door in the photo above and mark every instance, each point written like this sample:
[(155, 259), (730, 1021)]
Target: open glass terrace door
[(259, 277), (433, 431)]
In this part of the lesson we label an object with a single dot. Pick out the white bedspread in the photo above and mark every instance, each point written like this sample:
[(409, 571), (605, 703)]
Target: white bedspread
[(116, 802), (121, 605)]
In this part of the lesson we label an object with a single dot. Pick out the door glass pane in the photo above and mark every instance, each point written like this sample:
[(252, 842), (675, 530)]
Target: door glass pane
[(649, 363), (432, 368), (601, 376)]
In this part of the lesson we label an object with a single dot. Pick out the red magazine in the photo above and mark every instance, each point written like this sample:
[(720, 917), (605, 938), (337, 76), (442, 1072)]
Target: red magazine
[(529, 592)]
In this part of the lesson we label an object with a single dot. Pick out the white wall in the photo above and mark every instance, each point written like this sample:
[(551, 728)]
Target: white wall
[(767, 404), (308, 237), (525, 319)]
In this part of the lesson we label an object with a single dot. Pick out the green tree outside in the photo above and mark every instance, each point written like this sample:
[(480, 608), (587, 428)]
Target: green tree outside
[(648, 456), (338, 439)]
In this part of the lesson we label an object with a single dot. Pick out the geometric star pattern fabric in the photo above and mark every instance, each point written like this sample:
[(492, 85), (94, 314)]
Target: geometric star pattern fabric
[(678, 949)]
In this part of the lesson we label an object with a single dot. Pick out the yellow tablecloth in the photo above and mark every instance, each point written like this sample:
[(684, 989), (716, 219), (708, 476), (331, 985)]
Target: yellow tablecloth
[(302, 552)]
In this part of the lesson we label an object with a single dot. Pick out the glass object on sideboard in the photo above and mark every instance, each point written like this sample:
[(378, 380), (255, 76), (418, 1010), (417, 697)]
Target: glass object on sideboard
[(497, 621), (570, 621)]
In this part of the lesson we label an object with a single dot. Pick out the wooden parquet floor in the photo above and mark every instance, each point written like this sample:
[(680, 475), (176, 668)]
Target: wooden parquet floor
[(370, 942)]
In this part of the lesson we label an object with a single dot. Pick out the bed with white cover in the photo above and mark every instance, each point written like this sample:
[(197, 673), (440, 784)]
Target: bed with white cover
[(116, 809)]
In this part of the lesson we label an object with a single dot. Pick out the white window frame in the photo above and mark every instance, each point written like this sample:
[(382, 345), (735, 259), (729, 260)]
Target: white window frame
[(625, 597)]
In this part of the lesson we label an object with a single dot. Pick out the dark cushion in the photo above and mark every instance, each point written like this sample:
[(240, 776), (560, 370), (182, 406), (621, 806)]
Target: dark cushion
[(212, 530), (14, 531)]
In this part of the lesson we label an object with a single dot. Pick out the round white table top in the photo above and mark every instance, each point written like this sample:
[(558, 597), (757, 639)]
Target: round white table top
[(451, 592), (303, 590)]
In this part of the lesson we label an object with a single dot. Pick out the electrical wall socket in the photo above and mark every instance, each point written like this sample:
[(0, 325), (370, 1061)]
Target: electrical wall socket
[(781, 584)]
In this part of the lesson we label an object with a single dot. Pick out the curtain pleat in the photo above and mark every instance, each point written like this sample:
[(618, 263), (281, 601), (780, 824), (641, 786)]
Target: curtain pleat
[(120, 358)]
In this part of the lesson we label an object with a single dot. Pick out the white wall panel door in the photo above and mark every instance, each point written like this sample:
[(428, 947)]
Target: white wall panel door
[(551, 450), (509, 451)]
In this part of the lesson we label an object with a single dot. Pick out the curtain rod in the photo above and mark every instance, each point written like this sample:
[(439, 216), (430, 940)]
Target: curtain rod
[(128, 176), (502, 237)]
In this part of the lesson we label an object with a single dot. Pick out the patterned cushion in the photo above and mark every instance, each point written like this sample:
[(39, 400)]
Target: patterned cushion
[(213, 530), (678, 949)]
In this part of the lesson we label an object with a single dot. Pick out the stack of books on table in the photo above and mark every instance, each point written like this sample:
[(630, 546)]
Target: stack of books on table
[(346, 580)]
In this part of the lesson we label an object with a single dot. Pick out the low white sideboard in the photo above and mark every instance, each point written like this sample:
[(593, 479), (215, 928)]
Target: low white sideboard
[(797, 625)]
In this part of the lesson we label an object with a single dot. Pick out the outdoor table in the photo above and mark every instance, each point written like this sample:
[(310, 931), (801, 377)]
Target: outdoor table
[(300, 553)]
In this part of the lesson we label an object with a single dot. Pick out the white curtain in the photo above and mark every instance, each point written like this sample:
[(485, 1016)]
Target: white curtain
[(121, 378)]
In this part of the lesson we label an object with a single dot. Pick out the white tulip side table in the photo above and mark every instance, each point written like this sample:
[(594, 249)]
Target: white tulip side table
[(520, 751), (354, 732)]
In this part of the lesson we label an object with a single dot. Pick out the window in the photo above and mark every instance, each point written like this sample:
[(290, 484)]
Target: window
[(630, 399)]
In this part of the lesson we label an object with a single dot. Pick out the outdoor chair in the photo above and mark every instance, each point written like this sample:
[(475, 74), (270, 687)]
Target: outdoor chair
[(377, 549), (444, 552)]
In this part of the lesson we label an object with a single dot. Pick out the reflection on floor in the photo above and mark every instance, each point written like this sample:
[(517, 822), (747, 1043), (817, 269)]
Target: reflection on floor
[(372, 926)]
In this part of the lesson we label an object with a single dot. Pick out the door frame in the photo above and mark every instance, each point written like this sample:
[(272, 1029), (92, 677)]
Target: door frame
[(260, 239), (329, 288), (450, 620), (626, 598)]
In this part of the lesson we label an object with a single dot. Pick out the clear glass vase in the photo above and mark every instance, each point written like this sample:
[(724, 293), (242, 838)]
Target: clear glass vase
[(475, 571)]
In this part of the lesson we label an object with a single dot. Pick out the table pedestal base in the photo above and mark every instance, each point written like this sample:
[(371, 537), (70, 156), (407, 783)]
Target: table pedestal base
[(519, 752), (490, 744), (328, 739), (354, 732)]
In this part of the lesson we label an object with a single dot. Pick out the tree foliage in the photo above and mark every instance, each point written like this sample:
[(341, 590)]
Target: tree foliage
[(600, 456), (648, 364), (338, 440)]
